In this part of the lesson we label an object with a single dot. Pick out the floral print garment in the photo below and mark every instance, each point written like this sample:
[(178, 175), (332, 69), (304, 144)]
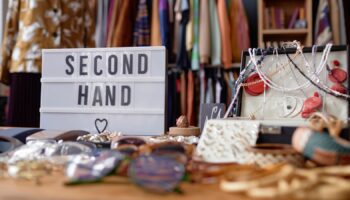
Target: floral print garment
[(33, 25)]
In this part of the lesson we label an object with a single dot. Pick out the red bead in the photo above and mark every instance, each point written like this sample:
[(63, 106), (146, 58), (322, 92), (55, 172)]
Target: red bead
[(257, 88), (311, 104), (338, 75), (336, 63), (339, 88)]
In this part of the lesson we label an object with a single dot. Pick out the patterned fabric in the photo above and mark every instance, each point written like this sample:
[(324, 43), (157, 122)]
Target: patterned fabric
[(240, 37), (101, 23), (155, 26), (32, 25), (195, 49), (182, 59), (215, 36), (226, 49), (204, 33), (164, 22), (323, 26), (142, 26), (123, 33)]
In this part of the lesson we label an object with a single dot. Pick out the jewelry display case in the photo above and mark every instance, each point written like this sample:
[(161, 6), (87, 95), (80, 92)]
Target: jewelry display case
[(286, 97)]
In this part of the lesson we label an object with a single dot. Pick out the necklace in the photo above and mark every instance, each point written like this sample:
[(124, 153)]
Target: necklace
[(319, 84), (248, 70)]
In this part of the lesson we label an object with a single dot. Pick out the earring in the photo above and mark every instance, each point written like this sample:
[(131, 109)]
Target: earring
[(300, 106), (311, 104), (337, 75), (289, 106), (254, 85)]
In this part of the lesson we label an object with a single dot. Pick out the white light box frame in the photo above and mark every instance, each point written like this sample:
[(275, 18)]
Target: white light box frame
[(98, 89)]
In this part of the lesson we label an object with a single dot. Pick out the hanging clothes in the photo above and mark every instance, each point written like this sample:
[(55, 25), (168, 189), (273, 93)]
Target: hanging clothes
[(123, 34), (195, 49), (239, 37), (335, 21), (113, 20), (183, 94), (155, 25), (209, 94), (196, 101), (323, 26), (202, 85), (189, 29), (171, 98), (109, 19), (226, 50), (176, 29), (342, 23), (190, 97), (24, 108), (215, 37), (164, 22), (142, 26), (204, 33), (218, 86), (30, 27), (101, 24), (182, 59)]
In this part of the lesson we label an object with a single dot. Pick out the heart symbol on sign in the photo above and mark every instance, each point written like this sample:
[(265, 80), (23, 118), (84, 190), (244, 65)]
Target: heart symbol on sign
[(101, 125)]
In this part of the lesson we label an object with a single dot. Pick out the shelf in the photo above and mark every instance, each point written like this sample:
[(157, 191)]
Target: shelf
[(284, 31)]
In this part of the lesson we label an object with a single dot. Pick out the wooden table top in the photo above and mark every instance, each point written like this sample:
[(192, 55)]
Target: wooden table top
[(112, 188)]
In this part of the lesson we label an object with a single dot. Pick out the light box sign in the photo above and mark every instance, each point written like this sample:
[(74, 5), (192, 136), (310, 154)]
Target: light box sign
[(115, 89)]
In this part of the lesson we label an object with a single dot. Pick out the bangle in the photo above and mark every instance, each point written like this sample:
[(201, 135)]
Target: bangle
[(321, 148), (243, 180), (270, 154)]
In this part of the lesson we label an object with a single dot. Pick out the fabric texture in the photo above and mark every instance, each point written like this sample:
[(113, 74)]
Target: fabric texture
[(215, 37), (182, 59), (226, 49), (335, 21), (155, 25), (239, 37), (189, 29), (101, 23), (123, 34), (323, 25), (342, 23), (112, 22), (34, 25), (142, 26), (195, 49), (24, 100), (204, 33), (164, 22), (190, 97)]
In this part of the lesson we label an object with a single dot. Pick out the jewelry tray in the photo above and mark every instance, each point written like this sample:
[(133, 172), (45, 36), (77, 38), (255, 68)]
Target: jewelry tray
[(268, 106), (289, 77)]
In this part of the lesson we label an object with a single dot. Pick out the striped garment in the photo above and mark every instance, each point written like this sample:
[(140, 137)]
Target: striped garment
[(323, 25), (142, 26), (195, 49)]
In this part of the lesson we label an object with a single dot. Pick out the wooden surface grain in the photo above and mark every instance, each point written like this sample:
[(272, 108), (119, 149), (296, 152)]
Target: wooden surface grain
[(111, 188)]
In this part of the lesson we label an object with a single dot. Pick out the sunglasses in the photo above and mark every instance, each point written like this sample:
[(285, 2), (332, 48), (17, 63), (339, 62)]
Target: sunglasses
[(156, 173)]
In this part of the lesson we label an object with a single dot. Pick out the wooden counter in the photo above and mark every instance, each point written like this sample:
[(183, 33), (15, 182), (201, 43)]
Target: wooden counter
[(113, 188)]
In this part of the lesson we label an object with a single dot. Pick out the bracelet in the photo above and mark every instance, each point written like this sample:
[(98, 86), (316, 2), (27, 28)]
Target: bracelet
[(270, 154), (321, 148), (318, 121), (209, 173), (13, 144), (243, 180)]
